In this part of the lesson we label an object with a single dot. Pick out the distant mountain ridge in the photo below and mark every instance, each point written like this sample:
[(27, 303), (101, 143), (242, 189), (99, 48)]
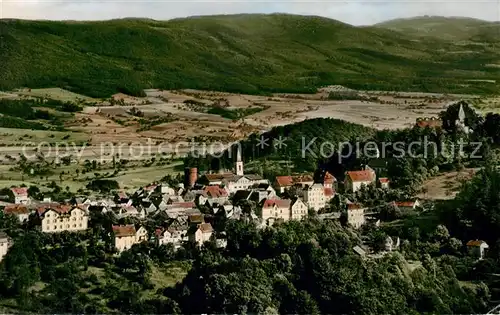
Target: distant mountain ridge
[(450, 28), (245, 53)]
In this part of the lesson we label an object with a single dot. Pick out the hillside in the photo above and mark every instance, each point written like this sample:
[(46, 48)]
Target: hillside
[(449, 28), (237, 53)]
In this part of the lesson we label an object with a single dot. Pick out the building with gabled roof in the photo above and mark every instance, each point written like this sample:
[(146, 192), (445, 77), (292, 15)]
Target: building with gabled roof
[(406, 205), (329, 181), (355, 215), (213, 194), (201, 233), (477, 248), (19, 210), (317, 196), (384, 182), (354, 180), (124, 236), (171, 235), (431, 122), (282, 183), (298, 209), (21, 195), (275, 209)]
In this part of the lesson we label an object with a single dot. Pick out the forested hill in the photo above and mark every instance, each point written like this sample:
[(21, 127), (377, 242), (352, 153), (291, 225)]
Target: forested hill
[(236, 53)]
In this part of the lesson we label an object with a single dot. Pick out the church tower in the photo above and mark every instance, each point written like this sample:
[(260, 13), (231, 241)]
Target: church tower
[(238, 167)]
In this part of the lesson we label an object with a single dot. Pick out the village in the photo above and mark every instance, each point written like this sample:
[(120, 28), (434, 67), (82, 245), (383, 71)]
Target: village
[(188, 212)]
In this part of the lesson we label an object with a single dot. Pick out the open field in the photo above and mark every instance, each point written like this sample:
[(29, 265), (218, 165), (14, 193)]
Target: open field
[(27, 137), (105, 123), (57, 94), (129, 177), (169, 122), (117, 123), (446, 185)]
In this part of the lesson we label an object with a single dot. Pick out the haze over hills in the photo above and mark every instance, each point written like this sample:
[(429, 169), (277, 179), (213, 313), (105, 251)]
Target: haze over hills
[(247, 53), (451, 28)]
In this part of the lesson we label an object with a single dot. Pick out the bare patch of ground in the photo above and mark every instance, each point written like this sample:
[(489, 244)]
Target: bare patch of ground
[(446, 185)]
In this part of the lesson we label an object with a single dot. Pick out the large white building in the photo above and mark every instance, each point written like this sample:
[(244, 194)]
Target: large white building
[(317, 196), (59, 218)]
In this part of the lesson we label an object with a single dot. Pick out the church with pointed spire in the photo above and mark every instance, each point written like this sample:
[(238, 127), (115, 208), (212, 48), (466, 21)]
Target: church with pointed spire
[(460, 122), (235, 180), (238, 166)]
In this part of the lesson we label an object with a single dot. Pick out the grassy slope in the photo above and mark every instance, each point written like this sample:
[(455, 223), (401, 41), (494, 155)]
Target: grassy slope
[(238, 53)]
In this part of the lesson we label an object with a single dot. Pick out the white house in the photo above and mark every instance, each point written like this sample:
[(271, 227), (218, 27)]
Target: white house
[(384, 182), (243, 182), (298, 209), (273, 209), (317, 196), (174, 236), (141, 235), (124, 237), (355, 215), (165, 189), (201, 233), (354, 180), (21, 195)]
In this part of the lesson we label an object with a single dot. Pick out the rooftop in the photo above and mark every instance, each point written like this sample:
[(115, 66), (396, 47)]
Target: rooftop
[(290, 180), (361, 176), (280, 203), (16, 209), (20, 191), (124, 230)]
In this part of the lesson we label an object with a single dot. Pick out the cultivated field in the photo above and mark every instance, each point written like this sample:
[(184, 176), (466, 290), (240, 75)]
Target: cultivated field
[(385, 110), (172, 123)]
